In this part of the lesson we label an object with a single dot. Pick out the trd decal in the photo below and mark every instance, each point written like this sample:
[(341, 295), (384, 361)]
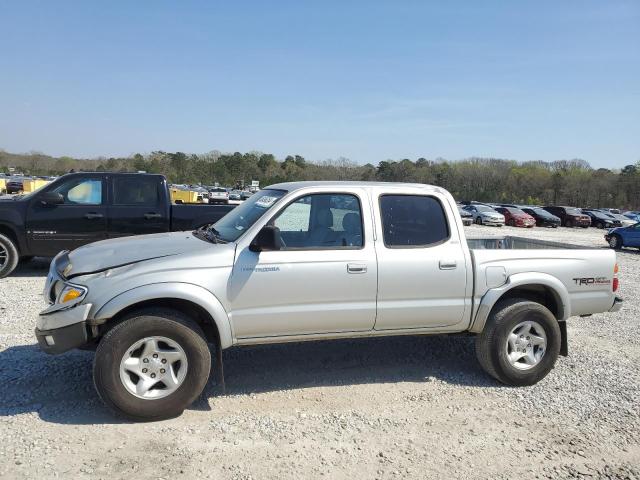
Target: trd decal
[(585, 281)]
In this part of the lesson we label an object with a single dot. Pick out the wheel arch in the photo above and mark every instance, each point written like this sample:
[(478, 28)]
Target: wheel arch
[(540, 288), (193, 300), (12, 235)]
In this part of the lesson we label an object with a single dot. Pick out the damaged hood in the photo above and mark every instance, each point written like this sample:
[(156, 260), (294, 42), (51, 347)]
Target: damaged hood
[(118, 252)]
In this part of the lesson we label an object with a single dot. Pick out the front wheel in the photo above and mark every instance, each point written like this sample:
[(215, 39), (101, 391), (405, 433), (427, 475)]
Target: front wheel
[(478, 220), (152, 365), (520, 343), (615, 242)]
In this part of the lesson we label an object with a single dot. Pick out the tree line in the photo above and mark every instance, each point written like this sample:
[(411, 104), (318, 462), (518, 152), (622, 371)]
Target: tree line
[(562, 182)]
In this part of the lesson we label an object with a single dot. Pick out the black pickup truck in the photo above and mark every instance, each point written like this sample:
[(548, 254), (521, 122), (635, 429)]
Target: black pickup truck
[(80, 208)]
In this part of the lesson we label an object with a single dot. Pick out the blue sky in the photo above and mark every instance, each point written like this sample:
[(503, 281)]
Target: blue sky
[(364, 80)]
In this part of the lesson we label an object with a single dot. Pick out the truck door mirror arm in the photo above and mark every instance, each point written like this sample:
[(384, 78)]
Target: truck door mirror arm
[(267, 239), (51, 199)]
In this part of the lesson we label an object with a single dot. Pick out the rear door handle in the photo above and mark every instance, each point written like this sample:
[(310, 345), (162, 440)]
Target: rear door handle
[(356, 268), (149, 216), (93, 216), (448, 264)]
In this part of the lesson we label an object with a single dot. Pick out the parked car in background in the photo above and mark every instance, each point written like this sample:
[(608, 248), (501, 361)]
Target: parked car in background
[(624, 221), (15, 185), (81, 208), (632, 215), (570, 216), (235, 195), (218, 195), (542, 217), (245, 194), (600, 219), (485, 215), (514, 217), (624, 237), (467, 218)]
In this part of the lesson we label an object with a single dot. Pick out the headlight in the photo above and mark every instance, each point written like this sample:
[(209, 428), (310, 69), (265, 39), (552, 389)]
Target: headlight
[(71, 294)]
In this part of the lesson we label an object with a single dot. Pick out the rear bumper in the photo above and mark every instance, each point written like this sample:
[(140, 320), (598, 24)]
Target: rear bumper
[(617, 305), (60, 340)]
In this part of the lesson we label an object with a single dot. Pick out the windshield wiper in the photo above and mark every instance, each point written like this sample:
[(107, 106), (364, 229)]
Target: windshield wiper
[(210, 234)]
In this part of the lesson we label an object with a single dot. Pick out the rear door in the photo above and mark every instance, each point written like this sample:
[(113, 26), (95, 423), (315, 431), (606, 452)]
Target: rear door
[(137, 205), (422, 273), (80, 219)]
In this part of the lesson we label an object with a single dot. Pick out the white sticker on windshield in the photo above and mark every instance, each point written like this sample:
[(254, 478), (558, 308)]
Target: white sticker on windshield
[(266, 201)]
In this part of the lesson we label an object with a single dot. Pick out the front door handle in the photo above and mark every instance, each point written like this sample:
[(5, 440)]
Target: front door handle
[(448, 264), (93, 216), (149, 216), (356, 268)]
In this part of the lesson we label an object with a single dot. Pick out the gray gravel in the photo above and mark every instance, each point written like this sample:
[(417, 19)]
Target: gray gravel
[(377, 408)]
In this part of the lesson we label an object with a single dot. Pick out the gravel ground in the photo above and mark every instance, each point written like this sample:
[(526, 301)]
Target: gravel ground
[(372, 408)]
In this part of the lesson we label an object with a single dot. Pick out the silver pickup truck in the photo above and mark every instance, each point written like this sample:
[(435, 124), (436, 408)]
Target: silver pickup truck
[(312, 261)]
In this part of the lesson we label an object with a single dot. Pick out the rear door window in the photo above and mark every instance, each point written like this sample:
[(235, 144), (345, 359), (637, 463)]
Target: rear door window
[(412, 221), (135, 190)]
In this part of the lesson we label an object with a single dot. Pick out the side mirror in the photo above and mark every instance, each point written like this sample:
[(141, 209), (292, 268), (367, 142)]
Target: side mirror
[(267, 239), (51, 198)]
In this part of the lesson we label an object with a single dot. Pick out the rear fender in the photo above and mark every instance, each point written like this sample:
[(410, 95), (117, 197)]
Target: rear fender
[(494, 295)]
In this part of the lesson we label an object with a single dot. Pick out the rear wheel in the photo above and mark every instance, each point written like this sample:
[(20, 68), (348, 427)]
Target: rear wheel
[(520, 343), (152, 365), (8, 256)]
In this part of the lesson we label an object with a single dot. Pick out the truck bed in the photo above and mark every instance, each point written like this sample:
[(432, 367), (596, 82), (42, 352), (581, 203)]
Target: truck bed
[(509, 242)]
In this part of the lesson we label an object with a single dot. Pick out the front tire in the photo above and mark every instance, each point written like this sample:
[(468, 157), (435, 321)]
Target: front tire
[(478, 220), (520, 342), (8, 256), (615, 242), (152, 365)]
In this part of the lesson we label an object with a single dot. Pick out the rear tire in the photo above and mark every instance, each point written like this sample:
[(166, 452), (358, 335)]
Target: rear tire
[(495, 345), (8, 256), (174, 334)]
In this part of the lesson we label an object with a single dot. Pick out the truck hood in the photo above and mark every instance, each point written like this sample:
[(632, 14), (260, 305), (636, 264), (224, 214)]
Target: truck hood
[(106, 254)]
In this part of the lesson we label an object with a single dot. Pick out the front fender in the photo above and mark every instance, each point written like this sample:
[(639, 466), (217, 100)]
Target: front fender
[(178, 290), (492, 296)]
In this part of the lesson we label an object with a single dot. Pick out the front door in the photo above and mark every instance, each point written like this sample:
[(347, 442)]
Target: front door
[(322, 280), (80, 219), (422, 276), (632, 236)]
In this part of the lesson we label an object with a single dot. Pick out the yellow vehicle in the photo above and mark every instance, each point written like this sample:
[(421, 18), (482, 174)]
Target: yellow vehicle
[(183, 196), (3, 185), (31, 185)]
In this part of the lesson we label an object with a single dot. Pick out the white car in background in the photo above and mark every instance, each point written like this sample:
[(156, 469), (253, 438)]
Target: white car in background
[(218, 195), (485, 215)]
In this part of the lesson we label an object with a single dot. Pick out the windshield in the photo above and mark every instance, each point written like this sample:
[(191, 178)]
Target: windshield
[(573, 211), (484, 208), (233, 224), (514, 211)]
